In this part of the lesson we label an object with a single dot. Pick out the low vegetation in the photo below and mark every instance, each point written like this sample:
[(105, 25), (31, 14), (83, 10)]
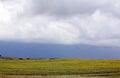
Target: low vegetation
[(58, 76), (60, 67)]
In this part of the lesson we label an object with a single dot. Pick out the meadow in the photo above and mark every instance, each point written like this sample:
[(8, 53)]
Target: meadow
[(50, 67)]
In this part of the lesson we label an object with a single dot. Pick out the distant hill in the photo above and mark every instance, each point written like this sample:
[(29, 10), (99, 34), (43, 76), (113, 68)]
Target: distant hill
[(6, 58), (15, 58)]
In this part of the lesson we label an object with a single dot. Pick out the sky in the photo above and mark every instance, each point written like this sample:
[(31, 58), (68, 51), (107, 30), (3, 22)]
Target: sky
[(60, 22)]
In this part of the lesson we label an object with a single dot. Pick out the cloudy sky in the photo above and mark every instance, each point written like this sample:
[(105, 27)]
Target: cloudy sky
[(61, 21), (64, 22)]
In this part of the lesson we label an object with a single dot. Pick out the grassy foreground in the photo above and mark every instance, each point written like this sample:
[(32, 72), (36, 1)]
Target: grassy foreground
[(59, 67), (58, 76)]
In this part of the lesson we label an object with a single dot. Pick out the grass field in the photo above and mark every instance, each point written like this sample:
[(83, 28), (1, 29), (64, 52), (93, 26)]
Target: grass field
[(60, 67), (63, 76)]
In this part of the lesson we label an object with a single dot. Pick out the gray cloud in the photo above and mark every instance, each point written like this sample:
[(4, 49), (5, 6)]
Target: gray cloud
[(65, 7), (61, 21), (73, 7)]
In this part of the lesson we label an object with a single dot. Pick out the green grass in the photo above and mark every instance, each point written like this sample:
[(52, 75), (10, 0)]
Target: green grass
[(59, 67)]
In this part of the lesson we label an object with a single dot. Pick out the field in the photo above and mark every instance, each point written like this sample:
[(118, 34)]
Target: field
[(50, 67), (60, 76)]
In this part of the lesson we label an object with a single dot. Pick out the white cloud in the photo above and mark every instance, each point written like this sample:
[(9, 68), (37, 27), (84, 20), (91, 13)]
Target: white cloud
[(61, 21)]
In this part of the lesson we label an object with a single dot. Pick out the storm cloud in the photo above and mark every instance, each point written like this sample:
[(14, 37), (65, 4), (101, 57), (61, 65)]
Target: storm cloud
[(94, 22)]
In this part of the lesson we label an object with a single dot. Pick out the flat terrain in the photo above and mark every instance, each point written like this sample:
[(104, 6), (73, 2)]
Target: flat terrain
[(56, 67), (63, 76)]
